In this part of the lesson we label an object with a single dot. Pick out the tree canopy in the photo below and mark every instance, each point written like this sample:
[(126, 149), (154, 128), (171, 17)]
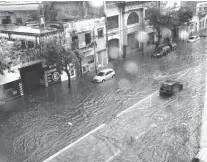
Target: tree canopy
[(159, 20), (54, 52), (10, 53)]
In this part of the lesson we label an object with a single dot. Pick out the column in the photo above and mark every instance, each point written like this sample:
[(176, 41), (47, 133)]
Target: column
[(124, 33)]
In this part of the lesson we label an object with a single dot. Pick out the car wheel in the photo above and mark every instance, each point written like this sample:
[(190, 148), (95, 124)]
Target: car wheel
[(113, 76), (103, 80)]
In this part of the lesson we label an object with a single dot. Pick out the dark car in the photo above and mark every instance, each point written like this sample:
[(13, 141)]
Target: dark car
[(203, 35), (170, 87), (157, 55), (161, 51)]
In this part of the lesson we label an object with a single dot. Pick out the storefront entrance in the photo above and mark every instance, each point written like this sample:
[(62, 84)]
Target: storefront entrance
[(132, 42), (113, 52), (31, 76)]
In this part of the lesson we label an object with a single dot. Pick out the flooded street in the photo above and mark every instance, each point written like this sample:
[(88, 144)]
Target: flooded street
[(37, 126)]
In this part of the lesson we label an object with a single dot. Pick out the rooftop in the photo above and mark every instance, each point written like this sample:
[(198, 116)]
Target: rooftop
[(19, 6), (26, 30)]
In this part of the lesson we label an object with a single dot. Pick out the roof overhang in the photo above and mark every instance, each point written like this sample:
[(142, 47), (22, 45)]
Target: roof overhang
[(19, 7)]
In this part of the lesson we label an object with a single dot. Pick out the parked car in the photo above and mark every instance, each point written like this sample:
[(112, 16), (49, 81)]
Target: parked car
[(104, 75), (203, 35), (157, 54), (170, 87), (161, 51), (193, 38)]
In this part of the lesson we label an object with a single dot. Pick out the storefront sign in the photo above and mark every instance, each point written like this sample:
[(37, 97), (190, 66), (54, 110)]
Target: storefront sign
[(52, 75)]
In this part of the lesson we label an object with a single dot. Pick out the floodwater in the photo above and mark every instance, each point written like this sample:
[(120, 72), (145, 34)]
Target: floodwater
[(35, 127)]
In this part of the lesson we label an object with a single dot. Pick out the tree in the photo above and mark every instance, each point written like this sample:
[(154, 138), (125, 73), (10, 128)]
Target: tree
[(10, 53), (46, 9), (55, 52), (184, 15), (159, 20), (49, 11)]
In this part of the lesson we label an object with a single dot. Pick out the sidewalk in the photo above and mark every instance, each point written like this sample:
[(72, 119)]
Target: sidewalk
[(202, 154), (117, 137)]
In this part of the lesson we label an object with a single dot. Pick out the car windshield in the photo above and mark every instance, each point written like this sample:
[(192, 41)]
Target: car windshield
[(100, 74), (192, 38), (166, 86)]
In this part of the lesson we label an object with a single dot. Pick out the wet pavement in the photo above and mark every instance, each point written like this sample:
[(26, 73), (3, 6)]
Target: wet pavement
[(155, 129), (37, 126)]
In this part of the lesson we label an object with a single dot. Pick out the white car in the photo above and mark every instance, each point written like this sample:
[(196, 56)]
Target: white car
[(193, 38), (104, 75)]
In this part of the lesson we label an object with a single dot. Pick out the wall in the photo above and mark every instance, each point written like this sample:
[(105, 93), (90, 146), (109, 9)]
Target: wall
[(76, 10)]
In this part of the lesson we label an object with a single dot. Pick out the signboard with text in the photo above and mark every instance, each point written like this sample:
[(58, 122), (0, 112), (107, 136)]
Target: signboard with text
[(52, 75)]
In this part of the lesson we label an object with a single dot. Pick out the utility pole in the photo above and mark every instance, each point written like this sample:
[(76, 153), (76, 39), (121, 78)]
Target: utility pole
[(106, 26), (94, 46), (142, 44)]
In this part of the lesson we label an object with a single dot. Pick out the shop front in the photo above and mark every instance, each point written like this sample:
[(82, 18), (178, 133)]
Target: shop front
[(35, 75), (10, 86)]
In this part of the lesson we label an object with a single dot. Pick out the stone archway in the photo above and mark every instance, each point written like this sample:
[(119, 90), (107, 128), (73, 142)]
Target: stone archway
[(113, 47)]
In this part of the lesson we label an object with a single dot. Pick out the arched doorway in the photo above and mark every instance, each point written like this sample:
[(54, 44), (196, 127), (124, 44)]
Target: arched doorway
[(132, 42), (113, 46)]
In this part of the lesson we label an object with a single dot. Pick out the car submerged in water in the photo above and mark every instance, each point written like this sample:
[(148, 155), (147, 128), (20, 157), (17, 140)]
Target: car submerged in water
[(193, 38), (104, 75), (170, 87)]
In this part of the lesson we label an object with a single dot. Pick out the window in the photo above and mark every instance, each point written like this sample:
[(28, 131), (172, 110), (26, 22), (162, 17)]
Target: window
[(199, 24), (75, 42), (19, 20), (23, 45), (101, 74), (88, 38), (108, 72), (6, 20), (30, 44), (113, 22), (133, 18), (100, 33), (84, 69), (72, 72)]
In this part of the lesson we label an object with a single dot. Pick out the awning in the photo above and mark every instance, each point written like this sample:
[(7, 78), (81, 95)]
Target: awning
[(19, 7), (31, 63), (202, 155)]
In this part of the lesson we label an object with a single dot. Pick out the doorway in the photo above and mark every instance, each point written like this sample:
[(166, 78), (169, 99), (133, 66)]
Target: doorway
[(31, 76)]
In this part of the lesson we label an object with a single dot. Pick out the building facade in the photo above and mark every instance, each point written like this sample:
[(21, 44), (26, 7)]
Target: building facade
[(124, 21), (17, 13), (199, 20), (88, 36)]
